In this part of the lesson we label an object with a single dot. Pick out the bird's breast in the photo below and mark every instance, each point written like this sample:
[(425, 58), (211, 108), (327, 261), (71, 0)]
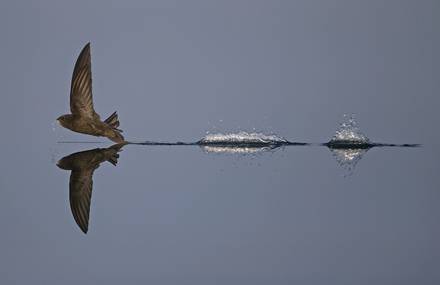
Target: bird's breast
[(88, 126)]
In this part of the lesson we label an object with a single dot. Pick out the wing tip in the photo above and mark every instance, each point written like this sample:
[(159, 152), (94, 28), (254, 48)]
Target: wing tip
[(86, 49)]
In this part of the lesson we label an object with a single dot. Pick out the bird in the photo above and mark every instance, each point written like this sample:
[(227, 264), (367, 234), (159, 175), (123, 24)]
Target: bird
[(83, 164), (83, 118)]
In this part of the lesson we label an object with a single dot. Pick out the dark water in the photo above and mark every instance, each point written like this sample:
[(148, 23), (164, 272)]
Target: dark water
[(190, 214)]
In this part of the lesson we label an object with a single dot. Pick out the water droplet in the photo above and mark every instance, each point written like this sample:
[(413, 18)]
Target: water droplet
[(349, 131)]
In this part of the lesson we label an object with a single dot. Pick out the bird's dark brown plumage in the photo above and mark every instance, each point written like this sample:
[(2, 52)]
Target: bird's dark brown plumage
[(84, 119), (83, 164)]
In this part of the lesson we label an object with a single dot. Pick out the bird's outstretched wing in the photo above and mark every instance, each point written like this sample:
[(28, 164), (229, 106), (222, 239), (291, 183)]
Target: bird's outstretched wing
[(81, 99), (80, 188)]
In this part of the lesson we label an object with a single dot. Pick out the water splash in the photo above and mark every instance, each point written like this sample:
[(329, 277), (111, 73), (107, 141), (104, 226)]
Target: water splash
[(349, 132), (54, 126), (57, 131), (348, 158), (242, 138), (236, 150)]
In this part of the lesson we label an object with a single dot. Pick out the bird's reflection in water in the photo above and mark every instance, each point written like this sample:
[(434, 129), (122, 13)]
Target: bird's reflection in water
[(83, 164)]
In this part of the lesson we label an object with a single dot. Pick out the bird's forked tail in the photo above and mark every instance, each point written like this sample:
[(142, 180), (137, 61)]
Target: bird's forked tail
[(114, 134), (113, 121)]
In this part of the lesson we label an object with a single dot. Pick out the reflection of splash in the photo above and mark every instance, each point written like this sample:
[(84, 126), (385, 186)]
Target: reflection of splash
[(349, 132), (241, 138), (236, 150), (348, 158)]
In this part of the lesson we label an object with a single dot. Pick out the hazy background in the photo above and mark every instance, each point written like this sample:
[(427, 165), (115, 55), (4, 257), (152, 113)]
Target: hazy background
[(176, 69)]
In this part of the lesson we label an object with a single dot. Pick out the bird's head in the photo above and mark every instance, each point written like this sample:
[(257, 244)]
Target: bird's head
[(64, 120), (63, 164)]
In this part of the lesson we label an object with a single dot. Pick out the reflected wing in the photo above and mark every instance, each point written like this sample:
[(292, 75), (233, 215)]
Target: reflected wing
[(80, 187), (81, 100)]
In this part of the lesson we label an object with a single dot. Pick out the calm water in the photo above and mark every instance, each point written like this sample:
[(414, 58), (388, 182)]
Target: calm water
[(168, 213), (204, 215)]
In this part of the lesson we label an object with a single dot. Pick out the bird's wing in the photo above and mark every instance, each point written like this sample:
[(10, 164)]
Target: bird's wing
[(80, 188), (81, 99)]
